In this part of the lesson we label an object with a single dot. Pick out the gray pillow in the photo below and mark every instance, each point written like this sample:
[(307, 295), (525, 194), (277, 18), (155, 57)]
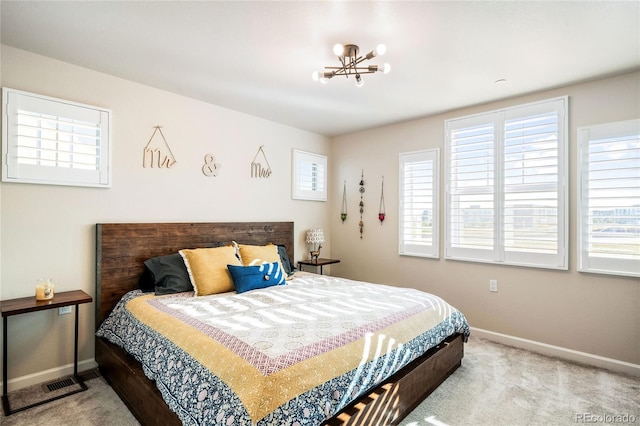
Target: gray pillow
[(169, 274)]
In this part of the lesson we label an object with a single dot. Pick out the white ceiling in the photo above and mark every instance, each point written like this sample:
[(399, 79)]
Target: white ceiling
[(257, 56)]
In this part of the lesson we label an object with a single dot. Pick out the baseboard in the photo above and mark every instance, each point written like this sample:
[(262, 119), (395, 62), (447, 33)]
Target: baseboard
[(560, 352), (49, 375)]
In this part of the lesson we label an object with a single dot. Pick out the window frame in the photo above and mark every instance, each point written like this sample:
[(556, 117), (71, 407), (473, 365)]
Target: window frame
[(420, 250), (298, 191), (499, 190), (72, 114), (595, 264)]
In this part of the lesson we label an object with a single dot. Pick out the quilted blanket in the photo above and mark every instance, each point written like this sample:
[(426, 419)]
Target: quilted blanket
[(286, 355)]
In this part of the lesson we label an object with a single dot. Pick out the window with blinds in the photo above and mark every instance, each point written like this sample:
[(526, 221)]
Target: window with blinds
[(309, 176), (53, 141), (419, 196), (609, 198), (506, 186)]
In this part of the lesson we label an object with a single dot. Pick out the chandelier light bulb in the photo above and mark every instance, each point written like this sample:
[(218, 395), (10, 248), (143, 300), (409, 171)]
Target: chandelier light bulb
[(315, 75), (338, 49), (359, 81), (386, 68), (381, 49)]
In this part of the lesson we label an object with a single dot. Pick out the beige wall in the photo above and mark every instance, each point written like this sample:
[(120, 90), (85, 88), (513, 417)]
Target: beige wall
[(589, 313), (48, 231)]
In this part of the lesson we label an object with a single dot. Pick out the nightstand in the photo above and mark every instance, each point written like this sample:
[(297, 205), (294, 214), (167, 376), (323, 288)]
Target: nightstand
[(320, 262), (30, 304)]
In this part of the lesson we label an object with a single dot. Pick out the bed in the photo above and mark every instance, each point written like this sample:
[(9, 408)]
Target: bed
[(384, 397)]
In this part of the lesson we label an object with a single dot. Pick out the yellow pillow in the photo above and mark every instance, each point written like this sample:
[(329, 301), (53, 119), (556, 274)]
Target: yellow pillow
[(257, 255), (207, 269)]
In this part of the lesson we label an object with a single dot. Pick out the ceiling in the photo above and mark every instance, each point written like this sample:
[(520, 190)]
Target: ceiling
[(257, 57)]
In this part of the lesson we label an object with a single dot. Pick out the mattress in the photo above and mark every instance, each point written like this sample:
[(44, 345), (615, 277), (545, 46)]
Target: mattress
[(293, 354)]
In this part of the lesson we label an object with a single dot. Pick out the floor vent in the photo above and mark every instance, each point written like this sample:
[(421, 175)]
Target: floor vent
[(90, 374), (59, 384)]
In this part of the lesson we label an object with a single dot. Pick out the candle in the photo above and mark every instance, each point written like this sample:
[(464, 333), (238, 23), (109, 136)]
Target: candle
[(44, 289)]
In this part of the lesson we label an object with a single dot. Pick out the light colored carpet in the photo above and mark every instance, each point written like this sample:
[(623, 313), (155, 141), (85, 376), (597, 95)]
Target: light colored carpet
[(501, 385), (496, 385), (98, 405)]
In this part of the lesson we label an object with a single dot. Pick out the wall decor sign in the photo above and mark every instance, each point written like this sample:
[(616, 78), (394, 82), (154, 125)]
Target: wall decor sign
[(157, 152), (210, 167), (257, 169)]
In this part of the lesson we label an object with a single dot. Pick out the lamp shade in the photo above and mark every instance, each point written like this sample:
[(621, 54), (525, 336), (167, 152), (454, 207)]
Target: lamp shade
[(315, 236)]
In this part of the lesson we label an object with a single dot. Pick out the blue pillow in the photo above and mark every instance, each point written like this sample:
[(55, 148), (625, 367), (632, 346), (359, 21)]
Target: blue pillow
[(247, 278)]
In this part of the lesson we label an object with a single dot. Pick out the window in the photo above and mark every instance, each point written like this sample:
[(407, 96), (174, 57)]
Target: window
[(506, 196), (609, 198), (53, 141), (419, 195), (309, 176)]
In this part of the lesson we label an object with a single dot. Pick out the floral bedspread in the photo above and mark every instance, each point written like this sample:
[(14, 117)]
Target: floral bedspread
[(288, 355)]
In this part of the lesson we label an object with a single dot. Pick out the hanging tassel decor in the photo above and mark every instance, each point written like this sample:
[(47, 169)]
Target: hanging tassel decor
[(361, 224), (381, 213), (343, 211)]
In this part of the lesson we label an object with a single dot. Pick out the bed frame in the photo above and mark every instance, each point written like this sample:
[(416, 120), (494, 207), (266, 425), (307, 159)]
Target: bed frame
[(121, 249)]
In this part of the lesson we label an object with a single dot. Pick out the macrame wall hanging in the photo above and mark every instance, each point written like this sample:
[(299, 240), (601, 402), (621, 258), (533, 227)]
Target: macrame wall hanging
[(343, 210), (157, 153), (257, 170), (361, 224), (381, 213)]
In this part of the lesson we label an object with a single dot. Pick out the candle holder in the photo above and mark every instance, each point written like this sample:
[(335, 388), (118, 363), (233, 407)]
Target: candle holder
[(44, 289)]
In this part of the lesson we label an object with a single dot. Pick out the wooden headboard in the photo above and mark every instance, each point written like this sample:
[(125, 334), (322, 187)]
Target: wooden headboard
[(121, 249)]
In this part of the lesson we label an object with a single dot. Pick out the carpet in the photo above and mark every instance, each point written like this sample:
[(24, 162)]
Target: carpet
[(98, 405), (496, 385), (502, 385)]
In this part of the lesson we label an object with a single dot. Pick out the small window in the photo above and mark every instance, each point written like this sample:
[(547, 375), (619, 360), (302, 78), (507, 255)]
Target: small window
[(309, 176), (53, 141), (609, 198), (419, 195)]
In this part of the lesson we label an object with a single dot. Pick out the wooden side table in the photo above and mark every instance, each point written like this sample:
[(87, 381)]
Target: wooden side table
[(320, 262), (30, 304)]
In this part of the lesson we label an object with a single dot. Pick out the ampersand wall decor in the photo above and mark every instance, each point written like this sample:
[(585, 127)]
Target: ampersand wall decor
[(210, 167)]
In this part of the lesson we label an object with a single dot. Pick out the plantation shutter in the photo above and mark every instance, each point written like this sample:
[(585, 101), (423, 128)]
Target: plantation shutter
[(533, 184), (471, 208), (419, 196), (309, 176), (506, 186), (609, 198), (52, 141)]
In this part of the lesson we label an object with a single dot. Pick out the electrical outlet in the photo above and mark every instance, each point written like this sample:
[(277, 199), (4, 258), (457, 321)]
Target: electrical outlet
[(493, 285), (64, 310)]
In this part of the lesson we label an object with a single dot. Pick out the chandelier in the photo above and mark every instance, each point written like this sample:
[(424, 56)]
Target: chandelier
[(350, 64)]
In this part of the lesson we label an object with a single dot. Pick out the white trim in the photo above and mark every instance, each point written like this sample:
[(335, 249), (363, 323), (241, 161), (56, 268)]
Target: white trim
[(49, 375), (560, 352)]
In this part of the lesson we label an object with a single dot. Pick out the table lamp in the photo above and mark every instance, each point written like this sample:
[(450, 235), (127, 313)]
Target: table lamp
[(315, 238)]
